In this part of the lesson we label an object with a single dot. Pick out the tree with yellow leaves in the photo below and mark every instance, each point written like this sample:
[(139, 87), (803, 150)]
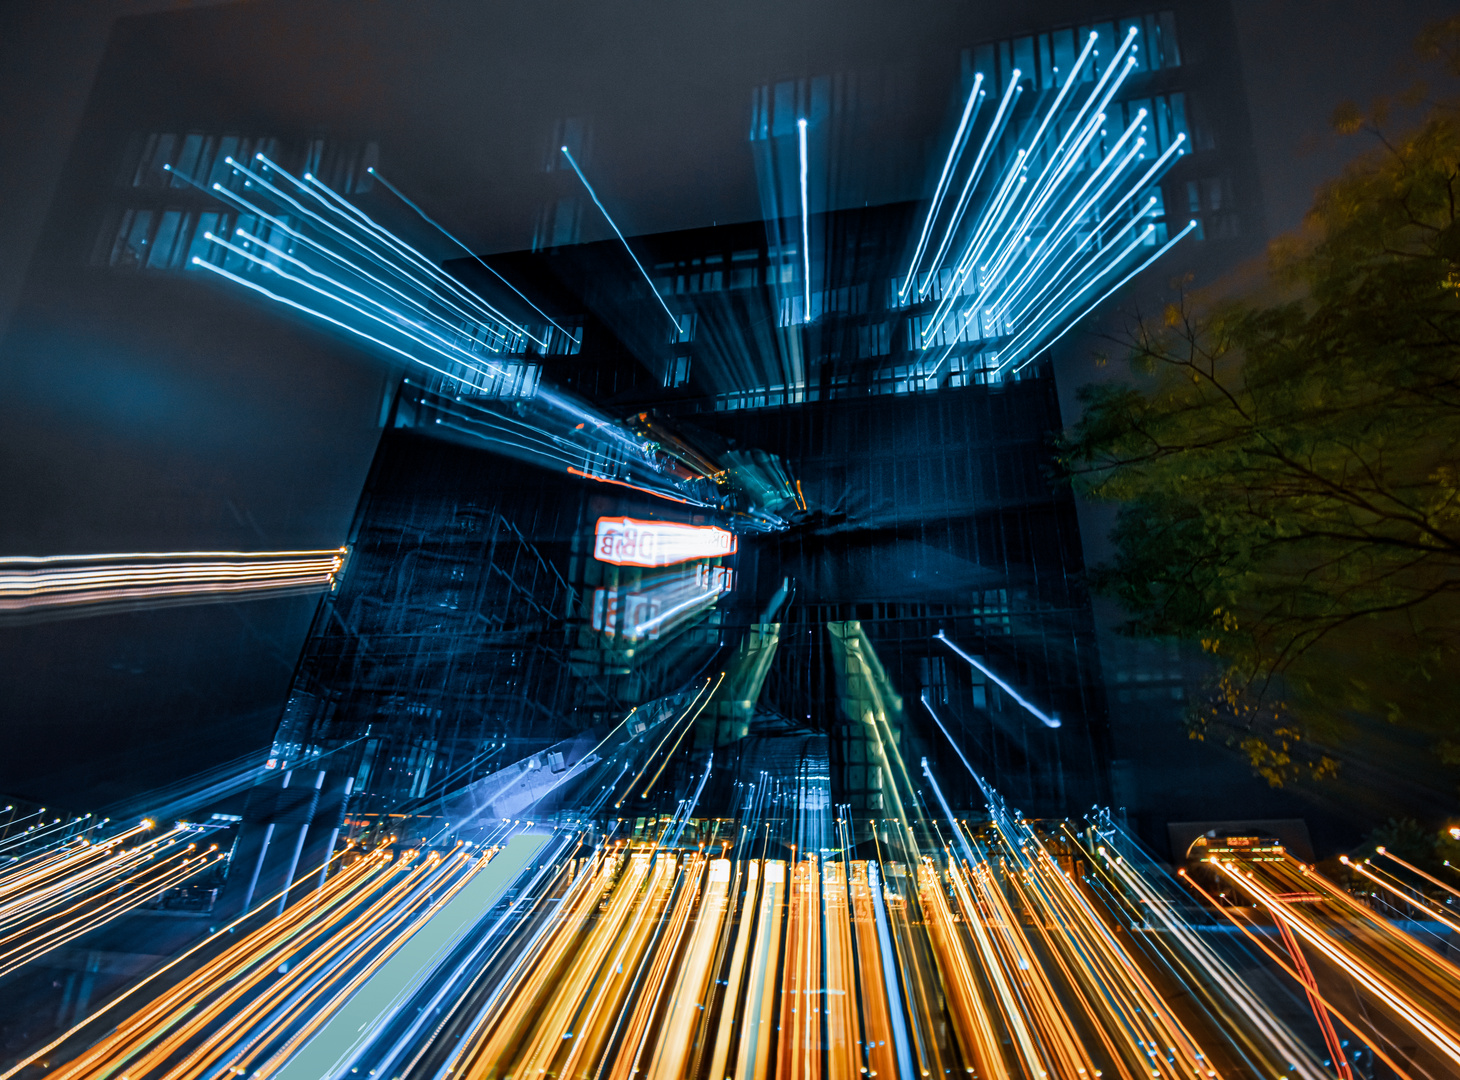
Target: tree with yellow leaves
[(1289, 472)]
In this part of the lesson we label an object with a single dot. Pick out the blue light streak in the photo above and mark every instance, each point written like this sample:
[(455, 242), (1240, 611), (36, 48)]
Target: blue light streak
[(988, 231), (1050, 229), (1033, 333), (1190, 225), (1060, 278), (1065, 87), (955, 151), (938, 793), (1074, 209), (1044, 187), (373, 171), (451, 352), (318, 191), (336, 265), (413, 257), (941, 727), (324, 195), (1067, 221), (997, 210), (1001, 118), (1044, 718), (805, 224), (604, 211), (1156, 168), (321, 249), (204, 264)]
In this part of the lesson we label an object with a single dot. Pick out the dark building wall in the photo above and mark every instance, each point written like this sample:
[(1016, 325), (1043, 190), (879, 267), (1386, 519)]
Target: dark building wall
[(461, 637), (937, 512)]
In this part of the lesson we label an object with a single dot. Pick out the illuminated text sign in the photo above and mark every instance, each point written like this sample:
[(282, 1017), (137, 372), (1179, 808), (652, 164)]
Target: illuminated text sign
[(629, 542)]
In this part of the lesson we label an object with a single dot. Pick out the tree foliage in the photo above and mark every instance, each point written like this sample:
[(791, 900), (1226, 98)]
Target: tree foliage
[(1289, 470)]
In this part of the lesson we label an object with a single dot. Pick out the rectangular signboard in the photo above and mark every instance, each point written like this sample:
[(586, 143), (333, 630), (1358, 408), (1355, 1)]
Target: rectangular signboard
[(626, 541)]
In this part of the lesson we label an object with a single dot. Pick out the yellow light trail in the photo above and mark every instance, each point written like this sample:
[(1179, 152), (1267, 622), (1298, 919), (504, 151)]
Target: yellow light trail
[(799, 1042), (1419, 902), (55, 897), (876, 1018), (978, 1037), (180, 1014), (685, 1008), (1387, 854), (843, 1027), (249, 1009), (1356, 1023), (996, 956), (28, 583), (1427, 1004), (1262, 1034), (673, 726), (689, 724)]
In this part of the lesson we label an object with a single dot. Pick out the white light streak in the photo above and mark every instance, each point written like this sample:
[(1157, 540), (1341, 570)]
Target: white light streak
[(1052, 227), (1043, 717), (332, 201), (1159, 252), (805, 224), (955, 151), (373, 171), (31, 582), (1001, 118), (613, 225)]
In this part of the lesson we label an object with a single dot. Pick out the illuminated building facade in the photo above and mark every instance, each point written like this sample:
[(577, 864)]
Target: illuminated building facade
[(473, 626)]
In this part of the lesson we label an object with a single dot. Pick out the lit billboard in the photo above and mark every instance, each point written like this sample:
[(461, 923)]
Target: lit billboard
[(627, 541)]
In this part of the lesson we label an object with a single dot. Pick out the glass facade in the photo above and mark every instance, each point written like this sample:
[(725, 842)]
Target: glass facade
[(474, 627)]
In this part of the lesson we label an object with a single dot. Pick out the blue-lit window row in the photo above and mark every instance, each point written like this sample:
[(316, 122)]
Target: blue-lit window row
[(492, 339), (168, 239), (763, 397), (502, 379), (928, 375), (1209, 200), (846, 300), (713, 273), (676, 373), (921, 377), (1167, 110), (1166, 121), (197, 157), (776, 107), (945, 277), (1039, 58), (874, 339), (203, 159)]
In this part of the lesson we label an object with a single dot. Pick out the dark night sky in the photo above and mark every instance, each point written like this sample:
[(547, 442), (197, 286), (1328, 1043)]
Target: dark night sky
[(254, 452)]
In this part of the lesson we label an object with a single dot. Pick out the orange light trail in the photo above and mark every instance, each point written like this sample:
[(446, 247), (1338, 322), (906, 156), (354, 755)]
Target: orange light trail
[(54, 897), (30, 583), (1008, 950), (1413, 983)]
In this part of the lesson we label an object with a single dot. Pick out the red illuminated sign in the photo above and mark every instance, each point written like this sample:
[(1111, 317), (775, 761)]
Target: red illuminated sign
[(629, 542)]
